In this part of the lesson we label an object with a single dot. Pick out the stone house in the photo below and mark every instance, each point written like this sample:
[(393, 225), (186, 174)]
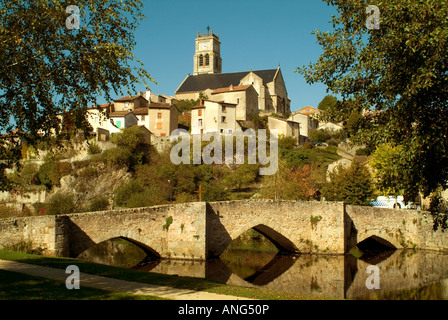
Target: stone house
[(284, 127), (130, 103), (162, 118), (120, 120), (212, 116), (245, 97), (306, 123)]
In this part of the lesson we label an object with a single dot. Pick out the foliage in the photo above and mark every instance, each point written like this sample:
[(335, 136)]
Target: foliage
[(352, 185), (61, 203), (186, 105), (49, 173), (93, 148), (24, 246), (289, 183), (287, 142), (398, 70), (319, 135), (327, 103), (26, 176), (243, 175), (362, 152), (131, 149), (387, 168), (46, 67), (99, 204)]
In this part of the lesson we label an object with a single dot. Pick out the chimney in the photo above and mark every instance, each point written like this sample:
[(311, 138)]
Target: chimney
[(231, 87), (148, 95), (140, 94)]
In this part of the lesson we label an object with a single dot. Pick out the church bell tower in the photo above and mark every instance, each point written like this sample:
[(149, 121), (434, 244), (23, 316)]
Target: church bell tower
[(207, 56)]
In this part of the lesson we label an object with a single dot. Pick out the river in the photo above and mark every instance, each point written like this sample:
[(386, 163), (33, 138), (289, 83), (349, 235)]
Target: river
[(252, 261)]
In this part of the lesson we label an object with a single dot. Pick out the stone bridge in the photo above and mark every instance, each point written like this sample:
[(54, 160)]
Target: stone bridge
[(200, 230)]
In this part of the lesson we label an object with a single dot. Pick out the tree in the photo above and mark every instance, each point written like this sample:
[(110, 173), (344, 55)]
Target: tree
[(352, 185), (328, 102), (387, 172), (47, 68), (399, 71)]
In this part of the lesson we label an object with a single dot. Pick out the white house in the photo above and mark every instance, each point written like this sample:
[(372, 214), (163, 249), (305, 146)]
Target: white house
[(212, 116)]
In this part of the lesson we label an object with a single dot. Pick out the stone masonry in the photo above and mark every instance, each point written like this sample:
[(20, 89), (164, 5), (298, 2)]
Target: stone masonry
[(199, 230)]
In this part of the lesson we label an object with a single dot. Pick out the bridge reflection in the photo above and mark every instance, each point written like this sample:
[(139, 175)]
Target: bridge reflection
[(325, 275)]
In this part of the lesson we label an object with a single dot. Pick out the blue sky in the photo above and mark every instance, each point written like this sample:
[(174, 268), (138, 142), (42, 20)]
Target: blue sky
[(258, 34)]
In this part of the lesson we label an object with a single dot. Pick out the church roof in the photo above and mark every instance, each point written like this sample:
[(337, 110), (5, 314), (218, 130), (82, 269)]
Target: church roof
[(201, 82)]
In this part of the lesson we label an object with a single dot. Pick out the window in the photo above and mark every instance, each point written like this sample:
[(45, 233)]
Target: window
[(293, 132), (223, 119), (159, 125), (200, 122), (201, 60), (143, 118), (202, 131), (223, 108), (238, 100), (118, 124), (199, 112), (222, 130), (207, 60), (163, 134), (159, 115)]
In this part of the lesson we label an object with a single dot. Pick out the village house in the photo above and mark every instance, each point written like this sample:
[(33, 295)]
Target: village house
[(162, 118), (306, 122), (245, 97), (212, 116), (285, 128)]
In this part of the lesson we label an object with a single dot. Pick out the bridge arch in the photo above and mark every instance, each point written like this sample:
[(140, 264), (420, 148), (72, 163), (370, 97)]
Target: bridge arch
[(279, 240), (149, 246)]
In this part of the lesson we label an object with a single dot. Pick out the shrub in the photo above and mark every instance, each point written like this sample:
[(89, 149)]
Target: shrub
[(124, 192), (287, 142), (333, 142), (118, 156), (88, 173), (362, 152), (93, 148), (49, 173), (61, 203), (352, 185), (64, 168), (25, 246), (319, 135), (99, 204)]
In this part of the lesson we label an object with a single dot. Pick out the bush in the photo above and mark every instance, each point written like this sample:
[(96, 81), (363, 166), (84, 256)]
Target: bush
[(333, 142), (99, 204), (118, 156), (88, 173), (362, 152), (61, 203), (93, 148), (25, 246), (287, 142), (49, 173), (352, 185), (319, 135)]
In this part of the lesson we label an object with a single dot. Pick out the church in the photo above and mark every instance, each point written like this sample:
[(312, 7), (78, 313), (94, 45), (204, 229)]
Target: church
[(253, 92)]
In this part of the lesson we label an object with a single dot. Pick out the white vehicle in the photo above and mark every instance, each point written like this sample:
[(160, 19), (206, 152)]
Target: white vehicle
[(389, 202), (394, 202)]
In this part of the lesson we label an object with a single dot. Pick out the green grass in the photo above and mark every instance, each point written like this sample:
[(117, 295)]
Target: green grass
[(18, 286), (155, 278)]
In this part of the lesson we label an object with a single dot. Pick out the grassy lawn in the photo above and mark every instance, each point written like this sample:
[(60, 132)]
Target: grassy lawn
[(18, 286), (130, 275)]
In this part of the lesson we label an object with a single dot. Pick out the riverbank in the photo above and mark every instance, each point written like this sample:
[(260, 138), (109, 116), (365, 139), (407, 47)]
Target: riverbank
[(185, 283)]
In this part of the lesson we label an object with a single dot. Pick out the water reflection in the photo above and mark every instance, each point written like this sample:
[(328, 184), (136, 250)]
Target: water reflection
[(404, 274)]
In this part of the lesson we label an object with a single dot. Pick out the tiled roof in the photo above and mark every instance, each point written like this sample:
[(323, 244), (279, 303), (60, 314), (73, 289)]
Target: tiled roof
[(214, 81), (119, 113), (231, 88), (129, 98), (159, 105), (140, 111)]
